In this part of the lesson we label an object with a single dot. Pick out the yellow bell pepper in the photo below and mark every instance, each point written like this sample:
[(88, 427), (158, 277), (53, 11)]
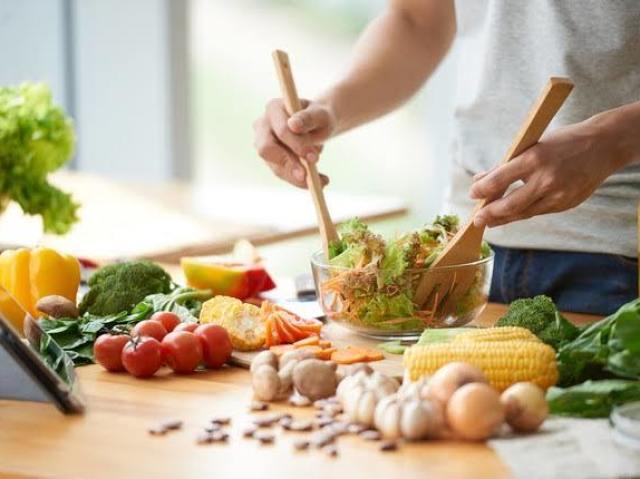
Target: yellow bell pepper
[(30, 274)]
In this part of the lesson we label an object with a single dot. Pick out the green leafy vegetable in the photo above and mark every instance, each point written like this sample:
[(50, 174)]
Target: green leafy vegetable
[(392, 347), (542, 318), (390, 312), (77, 335), (36, 138), (440, 335), (592, 399), (607, 348), (119, 287)]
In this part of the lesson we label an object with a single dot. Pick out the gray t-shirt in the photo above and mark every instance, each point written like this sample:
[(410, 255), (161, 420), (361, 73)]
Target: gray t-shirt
[(508, 50)]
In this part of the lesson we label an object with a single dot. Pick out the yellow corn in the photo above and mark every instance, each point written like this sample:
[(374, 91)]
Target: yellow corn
[(503, 362), (505, 333)]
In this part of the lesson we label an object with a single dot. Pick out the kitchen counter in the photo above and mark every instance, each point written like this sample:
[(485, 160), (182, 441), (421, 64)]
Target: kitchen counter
[(112, 441)]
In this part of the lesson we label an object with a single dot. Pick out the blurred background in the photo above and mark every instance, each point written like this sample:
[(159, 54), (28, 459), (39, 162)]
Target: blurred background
[(167, 90)]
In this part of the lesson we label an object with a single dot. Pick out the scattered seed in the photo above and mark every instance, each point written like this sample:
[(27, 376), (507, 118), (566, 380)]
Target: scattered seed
[(320, 403), (320, 439), (221, 420), (370, 435), (264, 437), (301, 444), (300, 425), (258, 406), (356, 428), (213, 427), (337, 428), (388, 446), (172, 424), (269, 420), (299, 401), (204, 438), (324, 421), (157, 431), (332, 409), (331, 450), (219, 436), (249, 431), (285, 422)]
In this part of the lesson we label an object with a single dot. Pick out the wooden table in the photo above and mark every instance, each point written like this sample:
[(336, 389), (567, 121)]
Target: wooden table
[(111, 439), (165, 221)]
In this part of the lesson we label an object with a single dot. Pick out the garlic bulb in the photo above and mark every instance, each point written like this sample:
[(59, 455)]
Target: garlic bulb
[(410, 418), (360, 393)]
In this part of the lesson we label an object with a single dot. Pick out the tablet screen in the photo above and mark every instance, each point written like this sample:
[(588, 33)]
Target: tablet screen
[(41, 358)]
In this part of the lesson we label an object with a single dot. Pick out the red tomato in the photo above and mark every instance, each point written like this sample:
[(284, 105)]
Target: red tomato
[(182, 351), (190, 327), (107, 351), (155, 329), (168, 319), (142, 356), (216, 345)]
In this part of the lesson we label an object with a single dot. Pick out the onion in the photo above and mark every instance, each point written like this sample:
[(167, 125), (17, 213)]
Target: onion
[(452, 376), (525, 406), (475, 412)]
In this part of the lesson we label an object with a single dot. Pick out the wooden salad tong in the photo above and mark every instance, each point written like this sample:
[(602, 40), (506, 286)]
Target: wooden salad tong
[(328, 233), (464, 247)]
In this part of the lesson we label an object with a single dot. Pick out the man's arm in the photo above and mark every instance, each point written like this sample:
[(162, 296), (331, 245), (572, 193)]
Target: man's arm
[(393, 58), (563, 170)]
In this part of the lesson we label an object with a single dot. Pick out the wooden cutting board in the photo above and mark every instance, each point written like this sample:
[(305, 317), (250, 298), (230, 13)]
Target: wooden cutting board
[(391, 365)]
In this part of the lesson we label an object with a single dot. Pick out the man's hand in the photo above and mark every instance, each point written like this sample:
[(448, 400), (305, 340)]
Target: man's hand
[(558, 173), (281, 140)]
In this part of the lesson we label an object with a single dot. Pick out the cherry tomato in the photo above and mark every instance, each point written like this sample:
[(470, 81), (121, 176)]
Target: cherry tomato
[(142, 356), (107, 351), (168, 319), (155, 329), (182, 351), (216, 345), (190, 327)]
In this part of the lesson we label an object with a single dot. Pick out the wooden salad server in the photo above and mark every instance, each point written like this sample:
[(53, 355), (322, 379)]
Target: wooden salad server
[(328, 233), (464, 247)]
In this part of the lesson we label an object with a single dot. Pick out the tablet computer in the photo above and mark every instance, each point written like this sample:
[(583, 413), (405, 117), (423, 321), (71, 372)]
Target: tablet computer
[(34, 367)]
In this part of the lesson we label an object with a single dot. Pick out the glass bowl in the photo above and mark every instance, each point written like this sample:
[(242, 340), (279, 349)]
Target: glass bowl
[(353, 298)]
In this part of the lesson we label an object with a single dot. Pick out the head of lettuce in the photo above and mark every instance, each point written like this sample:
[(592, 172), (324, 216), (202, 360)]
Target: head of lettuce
[(36, 138)]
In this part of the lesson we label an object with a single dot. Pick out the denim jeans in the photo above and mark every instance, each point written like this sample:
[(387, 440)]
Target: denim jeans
[(581, 282)]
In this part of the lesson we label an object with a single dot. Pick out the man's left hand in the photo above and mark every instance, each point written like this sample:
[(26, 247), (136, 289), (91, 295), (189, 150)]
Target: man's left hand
[(558, 173)]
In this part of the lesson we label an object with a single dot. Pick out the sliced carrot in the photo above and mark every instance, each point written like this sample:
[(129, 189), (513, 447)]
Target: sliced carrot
[(268, 339), (325, 354), (374, 355), (280, 349), (307, 325), (313, 348), (312, 340), (348, 356), (324, 343)]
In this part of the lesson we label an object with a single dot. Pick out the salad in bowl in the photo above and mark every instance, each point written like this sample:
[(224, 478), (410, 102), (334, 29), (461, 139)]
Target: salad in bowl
[(368, 284)]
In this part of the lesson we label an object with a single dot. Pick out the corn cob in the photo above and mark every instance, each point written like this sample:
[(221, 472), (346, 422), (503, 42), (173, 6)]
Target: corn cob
[(503, 362), (505, 333)]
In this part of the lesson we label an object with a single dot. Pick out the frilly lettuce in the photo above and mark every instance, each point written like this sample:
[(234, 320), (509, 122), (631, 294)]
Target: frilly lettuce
[(36, 138)]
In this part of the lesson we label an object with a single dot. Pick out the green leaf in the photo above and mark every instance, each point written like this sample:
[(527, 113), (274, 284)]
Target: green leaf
[(393, 347), (592, 399)]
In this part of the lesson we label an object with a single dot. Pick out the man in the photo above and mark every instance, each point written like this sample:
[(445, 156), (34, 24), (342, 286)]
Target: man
[(566, 225)]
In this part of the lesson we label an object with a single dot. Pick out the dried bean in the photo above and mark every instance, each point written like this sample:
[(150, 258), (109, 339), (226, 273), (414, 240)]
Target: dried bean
[(324, 421), (331, 450), (213, 427), (258, 406), (249, 431), (332, 409), (388, 446), (301, 444), (285, 422), (165, 426), (320, 439), (264, 437), (301, 425), (222, 420), (370, 435), (269, 420), (356, 428), (320, 403)]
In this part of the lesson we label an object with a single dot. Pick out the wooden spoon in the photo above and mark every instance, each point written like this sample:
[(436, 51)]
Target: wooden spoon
[(464, 247), (328, 232)]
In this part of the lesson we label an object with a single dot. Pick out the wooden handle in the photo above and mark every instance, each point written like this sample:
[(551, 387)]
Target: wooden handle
[(544, 109), (292, 104)]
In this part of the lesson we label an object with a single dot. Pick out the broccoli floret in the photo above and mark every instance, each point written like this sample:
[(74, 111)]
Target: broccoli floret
[(542, 318), (119, 287)]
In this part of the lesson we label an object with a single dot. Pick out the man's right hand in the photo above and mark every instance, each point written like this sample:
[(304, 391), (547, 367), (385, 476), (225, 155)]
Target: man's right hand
[(281, 140)]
